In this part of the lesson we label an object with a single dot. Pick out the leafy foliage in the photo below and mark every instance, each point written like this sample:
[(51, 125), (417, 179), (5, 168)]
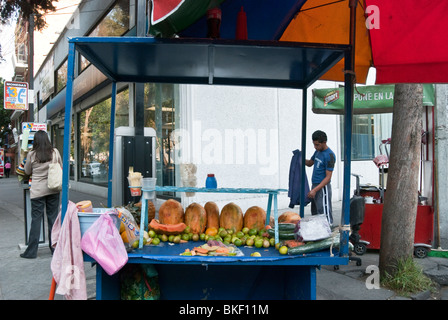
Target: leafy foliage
[(26, 8)]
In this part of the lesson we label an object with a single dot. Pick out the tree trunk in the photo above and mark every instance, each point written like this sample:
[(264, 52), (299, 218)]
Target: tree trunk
[(401, 198)]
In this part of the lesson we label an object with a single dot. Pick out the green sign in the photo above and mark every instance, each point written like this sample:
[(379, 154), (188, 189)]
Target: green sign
[(366, 99)]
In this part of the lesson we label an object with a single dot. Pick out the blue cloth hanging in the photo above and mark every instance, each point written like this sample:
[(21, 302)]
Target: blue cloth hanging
[(295, 180)]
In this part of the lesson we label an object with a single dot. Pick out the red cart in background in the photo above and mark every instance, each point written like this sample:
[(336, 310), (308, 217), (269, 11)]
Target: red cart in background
[(370, 230)]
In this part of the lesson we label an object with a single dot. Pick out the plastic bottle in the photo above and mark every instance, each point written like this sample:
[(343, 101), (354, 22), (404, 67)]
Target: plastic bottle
[(211, 182)]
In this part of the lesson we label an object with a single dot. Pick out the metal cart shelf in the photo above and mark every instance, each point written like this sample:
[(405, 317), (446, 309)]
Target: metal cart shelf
[(272, 198)]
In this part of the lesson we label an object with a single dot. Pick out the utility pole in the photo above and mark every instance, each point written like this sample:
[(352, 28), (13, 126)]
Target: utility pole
[(30, 113)]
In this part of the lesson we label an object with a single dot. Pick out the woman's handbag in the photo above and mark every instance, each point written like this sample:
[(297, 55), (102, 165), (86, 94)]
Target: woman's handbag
[(54, 181)]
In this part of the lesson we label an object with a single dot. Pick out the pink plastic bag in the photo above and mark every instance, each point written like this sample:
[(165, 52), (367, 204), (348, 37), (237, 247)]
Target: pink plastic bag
[(103, 243)]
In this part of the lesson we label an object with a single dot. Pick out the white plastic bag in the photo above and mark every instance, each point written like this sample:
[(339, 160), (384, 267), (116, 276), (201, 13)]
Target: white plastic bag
[(313, 228)]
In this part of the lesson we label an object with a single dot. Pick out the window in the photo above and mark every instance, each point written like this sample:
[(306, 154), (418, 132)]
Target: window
[(160, 114), (93, 137), (116, 23), (61, 76), (367, 133)]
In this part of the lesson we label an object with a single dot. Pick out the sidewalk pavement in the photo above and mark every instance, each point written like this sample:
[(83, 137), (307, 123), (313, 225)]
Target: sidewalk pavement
[(25, 279)]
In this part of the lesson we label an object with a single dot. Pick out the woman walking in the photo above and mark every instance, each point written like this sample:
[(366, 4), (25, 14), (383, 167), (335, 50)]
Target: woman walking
[(37, 163)]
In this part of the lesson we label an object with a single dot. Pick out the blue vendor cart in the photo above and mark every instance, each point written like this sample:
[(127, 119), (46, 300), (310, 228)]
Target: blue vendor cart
[(218, 62)]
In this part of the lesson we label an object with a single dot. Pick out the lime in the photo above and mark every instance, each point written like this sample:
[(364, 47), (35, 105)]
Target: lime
[(245, 230), (272, 242), (239, 234), (151, 233), (202, 236), (250, 242), (253, 232), (155, 241), (255, 254), (238, 242), (259, 243), (171, 238), (195, 237), (283, 250), (135, 244), (277, 245), (187, 229), (266, 243), (176, 239), (223, 233), (185, 237), (164, 238)]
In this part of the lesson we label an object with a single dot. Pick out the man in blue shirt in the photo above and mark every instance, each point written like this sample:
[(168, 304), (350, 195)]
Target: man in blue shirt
[(323, 161)]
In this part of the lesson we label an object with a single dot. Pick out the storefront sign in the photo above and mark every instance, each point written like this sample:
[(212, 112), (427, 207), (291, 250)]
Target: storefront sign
[(16, 95), (34, 126), (366, 99)]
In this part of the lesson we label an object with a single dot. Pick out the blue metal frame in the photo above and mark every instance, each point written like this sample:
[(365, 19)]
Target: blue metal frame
[(111, 144), (311, 76)]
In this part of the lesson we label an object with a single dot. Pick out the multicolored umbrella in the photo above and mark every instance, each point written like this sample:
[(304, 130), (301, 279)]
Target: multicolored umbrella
[(403, 39)]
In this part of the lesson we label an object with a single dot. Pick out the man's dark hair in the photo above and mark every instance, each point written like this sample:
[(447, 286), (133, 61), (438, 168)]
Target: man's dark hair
[(319, 136)]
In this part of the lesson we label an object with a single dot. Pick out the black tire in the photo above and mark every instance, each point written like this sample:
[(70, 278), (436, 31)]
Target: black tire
[(360, 249), (421, 252)]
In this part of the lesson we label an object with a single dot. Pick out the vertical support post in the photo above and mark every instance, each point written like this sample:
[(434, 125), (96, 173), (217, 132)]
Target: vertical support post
[(302, 182), (67, 128), (349, 79), (111, 144)]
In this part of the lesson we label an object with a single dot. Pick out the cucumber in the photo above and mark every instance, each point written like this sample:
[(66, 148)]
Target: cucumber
[(282, 235), (283, 226), (316, 245)]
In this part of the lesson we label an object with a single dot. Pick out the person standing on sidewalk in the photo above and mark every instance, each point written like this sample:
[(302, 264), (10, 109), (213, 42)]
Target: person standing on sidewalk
[(37, 163), (323, 161), (7, 168)]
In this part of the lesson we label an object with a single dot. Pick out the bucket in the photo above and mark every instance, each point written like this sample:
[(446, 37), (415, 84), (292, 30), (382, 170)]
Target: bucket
[(86, 219)]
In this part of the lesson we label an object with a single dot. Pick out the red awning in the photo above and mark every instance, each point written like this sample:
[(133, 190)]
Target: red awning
[(411, 44)]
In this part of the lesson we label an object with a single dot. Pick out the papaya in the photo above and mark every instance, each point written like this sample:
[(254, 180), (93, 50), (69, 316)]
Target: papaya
[(171, 212), (212, 211), (196, 218), (254, 218), (151, 209), (231, 217), (167, 229), (289, 217)]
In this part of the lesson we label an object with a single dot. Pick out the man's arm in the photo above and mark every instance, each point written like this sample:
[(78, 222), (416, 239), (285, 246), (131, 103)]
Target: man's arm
[(323, 183), (309, 163)]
